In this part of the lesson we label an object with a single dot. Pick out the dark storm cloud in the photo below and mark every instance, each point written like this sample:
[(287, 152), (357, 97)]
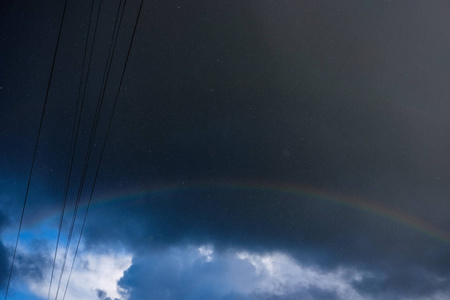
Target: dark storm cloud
[(347, 96), (312, 97)]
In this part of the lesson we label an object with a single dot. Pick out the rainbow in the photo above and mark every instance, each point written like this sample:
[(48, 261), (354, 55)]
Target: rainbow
[(360, 204)]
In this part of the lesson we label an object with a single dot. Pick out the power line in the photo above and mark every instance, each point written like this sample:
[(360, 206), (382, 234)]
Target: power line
[(93, 131), (104, 145), (74, 139), (36, 147)]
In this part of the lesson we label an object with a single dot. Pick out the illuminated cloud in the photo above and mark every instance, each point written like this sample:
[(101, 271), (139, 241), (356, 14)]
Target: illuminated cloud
[(202, 273), (93, 272)]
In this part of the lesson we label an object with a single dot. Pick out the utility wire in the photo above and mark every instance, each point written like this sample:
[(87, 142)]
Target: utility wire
[(74, 139), (103, 146), (36, 147), (93, 131)]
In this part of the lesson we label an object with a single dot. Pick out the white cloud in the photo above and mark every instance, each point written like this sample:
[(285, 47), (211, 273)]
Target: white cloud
[(207, 252), (278, 274), (91, 271), (200, 272)]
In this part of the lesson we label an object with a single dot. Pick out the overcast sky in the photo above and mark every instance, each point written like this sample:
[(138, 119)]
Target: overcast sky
[(271, 150)]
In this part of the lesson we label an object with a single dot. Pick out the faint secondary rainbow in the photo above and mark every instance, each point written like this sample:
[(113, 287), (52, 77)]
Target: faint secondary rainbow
[(361, 204)]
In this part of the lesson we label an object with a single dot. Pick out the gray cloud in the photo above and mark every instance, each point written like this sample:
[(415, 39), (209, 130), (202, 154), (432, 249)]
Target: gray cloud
[(101, 294), (33, 263), (395, 284)]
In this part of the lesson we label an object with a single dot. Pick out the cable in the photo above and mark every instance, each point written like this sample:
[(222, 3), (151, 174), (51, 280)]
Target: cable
[(93, 131), (73, 143), (36, 147), (103, 147)]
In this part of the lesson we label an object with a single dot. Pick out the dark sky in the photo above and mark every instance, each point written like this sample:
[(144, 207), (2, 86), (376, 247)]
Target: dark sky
[(259, 149)]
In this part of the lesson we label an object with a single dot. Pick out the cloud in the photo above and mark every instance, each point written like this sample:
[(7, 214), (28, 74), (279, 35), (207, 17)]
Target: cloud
[(100, 293), (95, 275), (396, 284), (315, 233), (32, 264), (189, 272)]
